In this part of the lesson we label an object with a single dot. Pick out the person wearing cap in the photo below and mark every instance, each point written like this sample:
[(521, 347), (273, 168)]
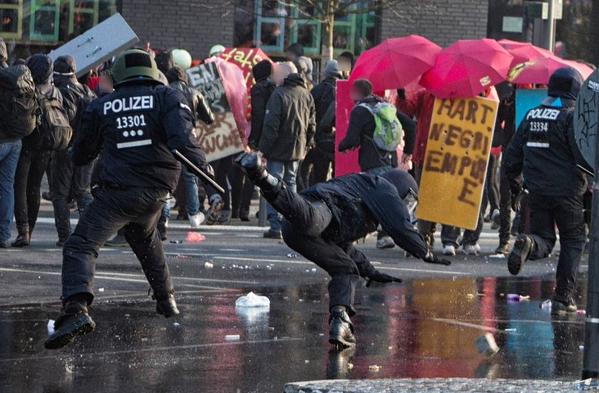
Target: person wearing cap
[(216, 50), (544, 151), (319, 161), (136, 129), (323, 221), (69, 181)]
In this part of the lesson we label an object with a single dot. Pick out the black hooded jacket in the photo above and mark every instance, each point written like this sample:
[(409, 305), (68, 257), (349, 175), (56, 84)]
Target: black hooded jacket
[(289, 123), (260, 94), (200, 108), (360, 202)]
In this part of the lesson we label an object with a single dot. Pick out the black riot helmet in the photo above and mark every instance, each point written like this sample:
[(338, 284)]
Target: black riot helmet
[(135, 65), (565, 83)]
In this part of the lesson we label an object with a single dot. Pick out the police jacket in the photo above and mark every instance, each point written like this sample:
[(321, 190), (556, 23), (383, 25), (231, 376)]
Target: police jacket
[(289, 122), (544, 151), (359, 203), (136, 128)]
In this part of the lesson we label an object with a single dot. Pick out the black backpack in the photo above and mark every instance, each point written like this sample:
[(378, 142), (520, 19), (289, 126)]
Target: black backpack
[(54, 129), (17, 102)]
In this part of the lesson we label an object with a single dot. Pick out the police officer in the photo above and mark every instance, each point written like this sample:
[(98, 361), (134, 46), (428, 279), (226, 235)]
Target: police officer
[(323, 221), (545, 152), (136, 128)]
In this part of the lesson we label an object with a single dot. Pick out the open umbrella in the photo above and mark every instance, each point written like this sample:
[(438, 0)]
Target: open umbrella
[(467, 68), (396, 62), (528, 52), (539, 71), (509, 44)]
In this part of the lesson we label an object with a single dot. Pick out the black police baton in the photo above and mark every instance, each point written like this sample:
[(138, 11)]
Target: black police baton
[(198, 172)]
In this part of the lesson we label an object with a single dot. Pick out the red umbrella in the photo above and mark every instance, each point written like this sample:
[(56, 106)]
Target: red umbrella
[(529, 52), (467, 68), (509, 44), (540, 70), (396, 62)]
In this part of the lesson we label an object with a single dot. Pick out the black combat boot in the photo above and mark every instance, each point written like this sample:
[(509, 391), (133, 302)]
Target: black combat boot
[(23, 238), (341, 333), (167, 306), (75, 321), (519, 255)]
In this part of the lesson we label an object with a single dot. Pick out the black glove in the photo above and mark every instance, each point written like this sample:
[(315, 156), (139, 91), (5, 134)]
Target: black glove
[(432, 258), (377, 276), (517, 200)]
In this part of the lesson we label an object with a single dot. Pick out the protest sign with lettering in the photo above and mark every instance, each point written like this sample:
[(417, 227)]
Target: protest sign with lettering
[(221, 138), (455, 164)]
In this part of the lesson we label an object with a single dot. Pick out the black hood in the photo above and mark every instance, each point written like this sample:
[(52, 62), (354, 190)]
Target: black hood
[(565, 83), (41, 68), (65, 66), (262, 70), (294, 80), (176, 74), (402, 180), (3, 52)]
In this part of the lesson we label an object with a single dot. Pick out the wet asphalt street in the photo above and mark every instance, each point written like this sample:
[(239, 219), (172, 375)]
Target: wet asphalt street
[(426, 327)]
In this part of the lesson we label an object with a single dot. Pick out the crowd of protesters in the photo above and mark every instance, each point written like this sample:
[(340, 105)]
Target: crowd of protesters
[(292, 123)]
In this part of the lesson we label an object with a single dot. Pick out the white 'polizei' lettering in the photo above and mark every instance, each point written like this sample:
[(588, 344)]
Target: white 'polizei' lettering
[(543, 113), (129, 104)]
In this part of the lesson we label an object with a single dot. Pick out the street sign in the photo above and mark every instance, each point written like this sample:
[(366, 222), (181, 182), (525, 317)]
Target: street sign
[(98, 44), (585, 118)]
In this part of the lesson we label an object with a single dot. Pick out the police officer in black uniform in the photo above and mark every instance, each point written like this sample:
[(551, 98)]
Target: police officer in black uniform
[(544, 151), (323, 221), (136, 128)]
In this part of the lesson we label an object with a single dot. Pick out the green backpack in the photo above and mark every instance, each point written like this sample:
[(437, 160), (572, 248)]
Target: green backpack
[(388, 131)]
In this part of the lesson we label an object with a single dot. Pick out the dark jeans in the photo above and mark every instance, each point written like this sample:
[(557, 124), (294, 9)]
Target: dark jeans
[(9, 157), (138, 211), (567, 214), (491, 191), (505, 209), (241, 192), (222, 170), (305, 221), (28, 180), (69, 182)]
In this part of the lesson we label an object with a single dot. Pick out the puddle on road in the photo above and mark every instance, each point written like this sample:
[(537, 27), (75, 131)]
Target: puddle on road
[(421, 329)]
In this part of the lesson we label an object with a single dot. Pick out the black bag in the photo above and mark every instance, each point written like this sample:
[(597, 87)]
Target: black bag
[(17, 102), (54, 128)]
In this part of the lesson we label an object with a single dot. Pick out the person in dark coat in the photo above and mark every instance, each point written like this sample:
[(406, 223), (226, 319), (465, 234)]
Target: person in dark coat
[(288, 131), (260, 94), (323, 221), (136, 129), (200, 108), (544, 151), (70, 182), (33, 161), (319, 162)]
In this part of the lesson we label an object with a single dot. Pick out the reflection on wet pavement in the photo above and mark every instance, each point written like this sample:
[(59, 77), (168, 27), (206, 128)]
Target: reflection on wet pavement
[(423, 328)]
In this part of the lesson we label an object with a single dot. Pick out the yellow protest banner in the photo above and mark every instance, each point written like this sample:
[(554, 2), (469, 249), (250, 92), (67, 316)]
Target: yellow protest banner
[(455, 164)]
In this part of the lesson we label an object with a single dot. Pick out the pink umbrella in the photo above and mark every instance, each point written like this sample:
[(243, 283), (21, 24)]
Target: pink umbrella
[(529, 52), (396, 62), (540, 70), (509, 44), (467, 68)]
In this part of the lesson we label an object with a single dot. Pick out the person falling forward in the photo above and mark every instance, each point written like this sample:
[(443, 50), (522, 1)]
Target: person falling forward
[(323, 221)]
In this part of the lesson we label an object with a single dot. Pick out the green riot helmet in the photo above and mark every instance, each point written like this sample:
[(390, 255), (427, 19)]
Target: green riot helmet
[(135, 65)]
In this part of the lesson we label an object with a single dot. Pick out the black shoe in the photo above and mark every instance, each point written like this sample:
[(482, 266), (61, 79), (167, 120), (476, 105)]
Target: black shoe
[(68, 326), (519, 254), (503, 249), (117, 241), (22, 240), (559, 307), (270, 234), (167, 307), (252, 164), (244, 216), (341, 333)]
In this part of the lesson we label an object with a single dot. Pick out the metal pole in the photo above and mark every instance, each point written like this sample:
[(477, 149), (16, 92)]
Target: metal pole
[(550, 32), (198, 172), (590, 365)]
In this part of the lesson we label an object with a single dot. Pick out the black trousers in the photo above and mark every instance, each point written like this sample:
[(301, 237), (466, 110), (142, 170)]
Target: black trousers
[(222, 168), (28, 181), (315, 168), (567, 214), (305, 221), (137, 211), (505, 209), (69, 182), (241, 192)]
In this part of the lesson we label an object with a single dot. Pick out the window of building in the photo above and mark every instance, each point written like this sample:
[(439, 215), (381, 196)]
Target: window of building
[(274, 25)]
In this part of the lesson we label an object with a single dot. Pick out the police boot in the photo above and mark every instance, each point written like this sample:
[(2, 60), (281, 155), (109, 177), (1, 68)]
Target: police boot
[(253, 165), (341, 333), (167, 306), (75, 321), (520, 253)]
